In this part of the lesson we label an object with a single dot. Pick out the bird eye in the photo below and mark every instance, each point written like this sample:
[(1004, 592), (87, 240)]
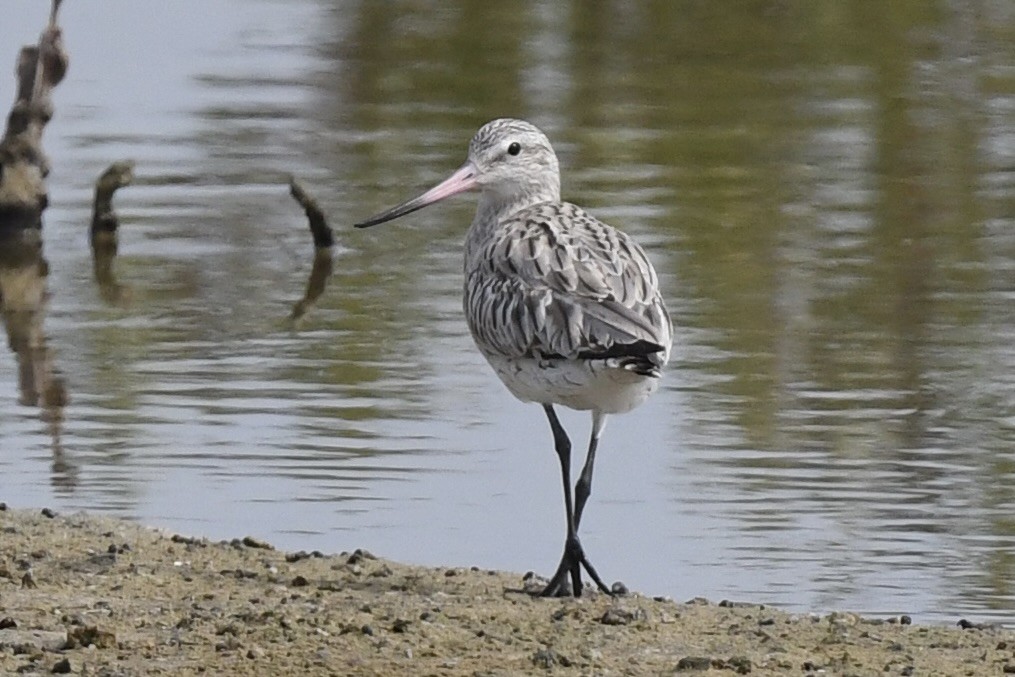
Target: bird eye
[(515, 148)]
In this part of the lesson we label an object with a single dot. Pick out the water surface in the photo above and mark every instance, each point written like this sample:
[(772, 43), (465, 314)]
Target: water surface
[(826, 189)]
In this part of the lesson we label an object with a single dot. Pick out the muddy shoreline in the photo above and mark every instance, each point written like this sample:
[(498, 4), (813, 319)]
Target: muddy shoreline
[(82, 594)]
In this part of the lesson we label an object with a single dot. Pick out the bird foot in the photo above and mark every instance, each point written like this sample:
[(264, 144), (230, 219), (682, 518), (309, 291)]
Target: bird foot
[(571, 564)]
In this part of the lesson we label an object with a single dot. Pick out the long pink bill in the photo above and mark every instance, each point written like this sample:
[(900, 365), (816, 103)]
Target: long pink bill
[(462, 180)]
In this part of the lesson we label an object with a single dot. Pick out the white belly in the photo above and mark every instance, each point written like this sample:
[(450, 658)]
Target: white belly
[(581, 385)]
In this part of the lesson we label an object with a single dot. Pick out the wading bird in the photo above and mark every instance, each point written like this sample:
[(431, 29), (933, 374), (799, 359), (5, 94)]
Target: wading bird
[(565, 308)]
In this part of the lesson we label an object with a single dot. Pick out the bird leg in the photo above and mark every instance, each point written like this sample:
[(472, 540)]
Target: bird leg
[(574, 558), (583, 488)]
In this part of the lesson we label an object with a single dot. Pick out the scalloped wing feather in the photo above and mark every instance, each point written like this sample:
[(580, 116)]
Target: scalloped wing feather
[(553, 280)]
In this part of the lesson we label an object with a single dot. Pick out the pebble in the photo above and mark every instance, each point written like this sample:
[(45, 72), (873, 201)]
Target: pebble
[(46, 640), (239, 573), (91, 635), (230, 643), (296, 556), (359, 555), (252, 542), (694, 663), (729, 604), (61, 667), (545, 658), (620, 616), (382, 572), (739, 664), (843, 619)]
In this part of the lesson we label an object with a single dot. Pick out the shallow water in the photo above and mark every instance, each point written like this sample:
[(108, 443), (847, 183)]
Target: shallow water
[(826, 190)]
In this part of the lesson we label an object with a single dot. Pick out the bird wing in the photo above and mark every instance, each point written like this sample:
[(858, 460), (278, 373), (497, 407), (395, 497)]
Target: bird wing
[(554, 281)]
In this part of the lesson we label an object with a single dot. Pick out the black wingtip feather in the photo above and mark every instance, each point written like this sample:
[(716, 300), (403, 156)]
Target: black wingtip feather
[(635, 350)]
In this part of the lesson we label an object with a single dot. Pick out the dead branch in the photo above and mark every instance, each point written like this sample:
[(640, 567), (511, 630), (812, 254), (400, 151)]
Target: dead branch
[(104, 219), (105, 224), (23, 165), (319, 228)]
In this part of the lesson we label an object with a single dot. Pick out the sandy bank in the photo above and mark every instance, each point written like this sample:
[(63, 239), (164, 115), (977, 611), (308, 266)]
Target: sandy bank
[(98, 596)]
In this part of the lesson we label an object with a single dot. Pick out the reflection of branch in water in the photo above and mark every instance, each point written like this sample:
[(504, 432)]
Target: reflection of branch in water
[(323, 241), (105, 223), (23, 273)]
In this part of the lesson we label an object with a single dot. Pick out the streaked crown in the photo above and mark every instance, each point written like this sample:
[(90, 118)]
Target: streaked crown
[(515, 162)]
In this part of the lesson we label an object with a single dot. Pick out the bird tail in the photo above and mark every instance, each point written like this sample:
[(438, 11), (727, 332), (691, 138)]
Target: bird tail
[(640, 357)]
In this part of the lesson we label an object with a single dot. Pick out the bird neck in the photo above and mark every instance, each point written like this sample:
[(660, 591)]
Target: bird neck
[(499, 202), (495, 207)]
